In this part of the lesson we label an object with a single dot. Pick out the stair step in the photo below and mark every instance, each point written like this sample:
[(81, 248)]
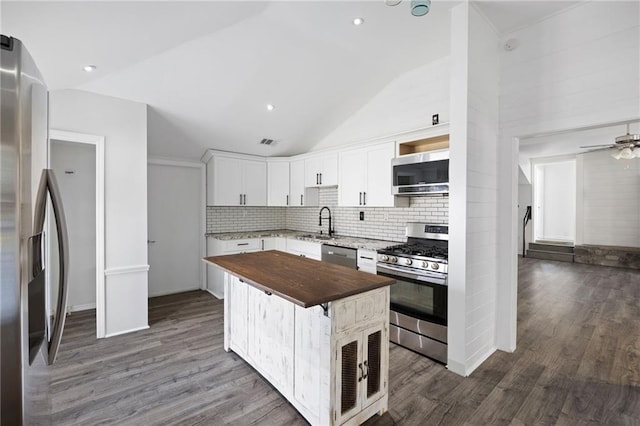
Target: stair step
[(551, 255), (551, 247)]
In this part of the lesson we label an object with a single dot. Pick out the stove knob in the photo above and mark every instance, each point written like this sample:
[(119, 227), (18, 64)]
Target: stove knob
[(384, 257), (408, 262), (393, 259), (425, 264), (435, 266)]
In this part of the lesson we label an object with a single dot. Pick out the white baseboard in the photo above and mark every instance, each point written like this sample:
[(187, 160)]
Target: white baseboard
[(126, 331), (83, 307), (461, 370), (214, 295), (167, 293)]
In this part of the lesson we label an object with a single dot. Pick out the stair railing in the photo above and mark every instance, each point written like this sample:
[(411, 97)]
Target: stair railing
[(525, 221)]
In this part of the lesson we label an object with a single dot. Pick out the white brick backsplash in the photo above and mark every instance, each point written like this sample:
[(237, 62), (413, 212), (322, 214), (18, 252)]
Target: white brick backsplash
[(383, 223)]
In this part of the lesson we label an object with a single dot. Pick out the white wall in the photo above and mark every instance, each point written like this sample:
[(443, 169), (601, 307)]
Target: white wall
[(78, 191), (473, 197), (407, 103), (124, 126), (610, 193), (562, 76)]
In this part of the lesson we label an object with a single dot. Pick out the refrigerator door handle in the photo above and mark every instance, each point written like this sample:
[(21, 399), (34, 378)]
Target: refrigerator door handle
[(48, 183)]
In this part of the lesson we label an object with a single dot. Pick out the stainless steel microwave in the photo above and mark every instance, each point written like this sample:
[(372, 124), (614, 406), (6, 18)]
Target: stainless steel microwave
[(426, 173)]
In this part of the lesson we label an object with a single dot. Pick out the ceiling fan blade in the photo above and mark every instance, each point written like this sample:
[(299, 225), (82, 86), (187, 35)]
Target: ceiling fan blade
[(597, 146), (600, 149)]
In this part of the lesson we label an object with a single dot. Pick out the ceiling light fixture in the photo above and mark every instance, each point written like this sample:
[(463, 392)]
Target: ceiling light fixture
[(392, 2), (420, 7), (89, 68), (270, 107), (358, 21)]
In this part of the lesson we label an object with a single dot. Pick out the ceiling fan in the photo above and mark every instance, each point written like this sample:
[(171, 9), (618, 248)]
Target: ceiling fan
[(626, 147)]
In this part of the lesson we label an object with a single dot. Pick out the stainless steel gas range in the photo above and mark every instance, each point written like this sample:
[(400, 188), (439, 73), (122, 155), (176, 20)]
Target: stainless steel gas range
[(419, 297)]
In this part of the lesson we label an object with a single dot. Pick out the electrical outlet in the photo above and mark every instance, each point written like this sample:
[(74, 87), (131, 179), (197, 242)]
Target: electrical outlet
[(361, 215)]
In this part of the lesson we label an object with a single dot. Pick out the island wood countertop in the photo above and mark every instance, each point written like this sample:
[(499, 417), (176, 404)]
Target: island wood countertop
[(303, 281)]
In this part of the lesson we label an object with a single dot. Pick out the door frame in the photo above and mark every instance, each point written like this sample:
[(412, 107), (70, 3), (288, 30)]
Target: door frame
[(203, 205), (98, 142)]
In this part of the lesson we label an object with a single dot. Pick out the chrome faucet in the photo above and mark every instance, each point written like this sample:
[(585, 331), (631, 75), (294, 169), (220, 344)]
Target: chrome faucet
[(331, 232)]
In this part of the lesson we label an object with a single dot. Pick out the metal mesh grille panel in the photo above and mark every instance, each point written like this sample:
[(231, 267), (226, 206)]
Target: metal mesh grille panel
[(349, 376), (373, 361)]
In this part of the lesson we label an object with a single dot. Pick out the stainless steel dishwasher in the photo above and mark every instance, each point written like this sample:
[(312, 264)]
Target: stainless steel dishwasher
[(340, 256)]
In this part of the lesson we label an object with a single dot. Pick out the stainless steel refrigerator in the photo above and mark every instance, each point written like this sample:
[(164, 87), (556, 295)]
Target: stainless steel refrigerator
[(32, 305)]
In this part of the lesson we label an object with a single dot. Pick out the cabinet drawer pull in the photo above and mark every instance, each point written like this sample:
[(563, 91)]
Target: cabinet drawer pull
[(361, 372), (365, 257), (242, 244)]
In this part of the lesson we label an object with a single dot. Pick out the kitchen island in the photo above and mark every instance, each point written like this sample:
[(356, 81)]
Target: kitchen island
[(318, 332)]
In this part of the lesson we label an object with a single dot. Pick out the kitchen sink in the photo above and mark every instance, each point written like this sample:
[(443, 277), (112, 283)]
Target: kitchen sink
[(318, 237)]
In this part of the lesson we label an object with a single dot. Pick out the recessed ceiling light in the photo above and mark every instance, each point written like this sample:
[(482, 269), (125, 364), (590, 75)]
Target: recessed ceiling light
[(358, 21), (89, 68), (270, 107)]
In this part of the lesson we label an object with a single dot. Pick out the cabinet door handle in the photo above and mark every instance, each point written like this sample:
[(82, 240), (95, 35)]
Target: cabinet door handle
[(240, 199), (320, 178), (301, 203), (245, 199), (361, 372), (366, 371), (268, 293), (359, 198), (262, 245), (364, 198), (287, 199)]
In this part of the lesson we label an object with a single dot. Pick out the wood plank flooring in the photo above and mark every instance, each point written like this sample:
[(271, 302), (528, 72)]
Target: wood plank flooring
[(577, 363)]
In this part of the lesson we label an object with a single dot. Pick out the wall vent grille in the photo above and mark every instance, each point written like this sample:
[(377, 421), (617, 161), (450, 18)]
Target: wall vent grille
[(266, 141)]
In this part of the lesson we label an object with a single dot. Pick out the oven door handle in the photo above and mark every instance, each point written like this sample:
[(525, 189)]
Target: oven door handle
[(430, 277)]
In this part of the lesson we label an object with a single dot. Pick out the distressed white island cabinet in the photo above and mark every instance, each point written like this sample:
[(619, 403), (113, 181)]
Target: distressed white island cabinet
[(329, 359)]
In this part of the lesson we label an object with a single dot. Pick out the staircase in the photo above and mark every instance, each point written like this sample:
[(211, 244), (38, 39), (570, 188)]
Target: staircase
[(551, 250)]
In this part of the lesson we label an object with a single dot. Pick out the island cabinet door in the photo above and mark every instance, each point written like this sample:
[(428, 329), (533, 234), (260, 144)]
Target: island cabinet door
[(271, 338), (236, 303), (361, 371)]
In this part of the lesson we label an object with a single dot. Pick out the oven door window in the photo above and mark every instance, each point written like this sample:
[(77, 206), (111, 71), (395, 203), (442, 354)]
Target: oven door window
[(421, 300)]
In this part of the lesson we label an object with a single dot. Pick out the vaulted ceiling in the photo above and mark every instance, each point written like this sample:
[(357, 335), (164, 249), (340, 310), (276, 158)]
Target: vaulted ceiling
[(207, 70)]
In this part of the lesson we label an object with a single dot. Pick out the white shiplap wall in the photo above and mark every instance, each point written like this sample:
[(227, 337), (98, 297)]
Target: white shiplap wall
[(473, 222), (565, 74), (610, 200)]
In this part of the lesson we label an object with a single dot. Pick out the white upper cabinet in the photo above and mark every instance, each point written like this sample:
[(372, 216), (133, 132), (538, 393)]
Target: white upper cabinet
[(236, 182), (298, 194), (365, 176), (278, 183), (321, 170)]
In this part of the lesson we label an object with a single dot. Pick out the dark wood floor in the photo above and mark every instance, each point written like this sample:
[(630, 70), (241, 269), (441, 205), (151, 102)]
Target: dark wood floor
[(577, 362)]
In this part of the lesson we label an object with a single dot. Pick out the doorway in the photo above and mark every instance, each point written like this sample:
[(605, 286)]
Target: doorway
[(554, 200), (78, 163)]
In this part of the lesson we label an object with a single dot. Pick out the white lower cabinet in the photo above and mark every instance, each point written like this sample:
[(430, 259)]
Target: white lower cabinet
[(332, 368), (216, 247), (367, 261), (304, 248)]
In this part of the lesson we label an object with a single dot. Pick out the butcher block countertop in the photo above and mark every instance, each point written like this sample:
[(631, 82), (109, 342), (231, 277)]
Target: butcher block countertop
[(303, 281)]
